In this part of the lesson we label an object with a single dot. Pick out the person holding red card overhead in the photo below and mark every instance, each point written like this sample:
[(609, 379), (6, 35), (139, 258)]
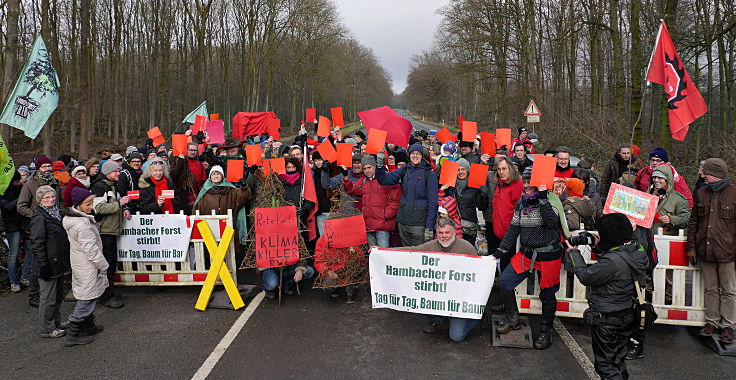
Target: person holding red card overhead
[(469, 201), (292, 183), (154, 180), (189, 175)]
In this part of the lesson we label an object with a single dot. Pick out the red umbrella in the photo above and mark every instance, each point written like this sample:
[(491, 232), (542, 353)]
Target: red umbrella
[(398, 129)]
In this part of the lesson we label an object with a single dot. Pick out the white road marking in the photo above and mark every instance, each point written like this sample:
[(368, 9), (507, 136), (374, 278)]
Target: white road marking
[(577, 352), (228, 339)]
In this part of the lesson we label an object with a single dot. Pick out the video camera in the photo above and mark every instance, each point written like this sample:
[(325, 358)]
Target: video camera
[(583, 238)]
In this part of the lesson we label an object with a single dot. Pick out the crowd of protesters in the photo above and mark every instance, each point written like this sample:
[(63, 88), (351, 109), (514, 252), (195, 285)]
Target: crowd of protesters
[(63, 217)]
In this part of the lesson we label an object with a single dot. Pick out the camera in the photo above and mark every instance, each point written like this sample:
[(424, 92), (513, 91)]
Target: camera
[(583, 238)]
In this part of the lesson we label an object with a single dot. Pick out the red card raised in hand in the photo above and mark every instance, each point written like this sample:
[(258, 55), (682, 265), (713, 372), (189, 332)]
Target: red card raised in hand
[(214, 116), (235, 170), (200, 124), (311, 115), (155, 135), (179, 144), (134, 194), (253, 155), (376, 141), (444, 135), (478, 175), (345, 154), (448, 174), (488, 143), (278, 165), (327, 151), (323, 128), (503, 137), (274, 129), (470, 130), (543, 171), (337, 120)]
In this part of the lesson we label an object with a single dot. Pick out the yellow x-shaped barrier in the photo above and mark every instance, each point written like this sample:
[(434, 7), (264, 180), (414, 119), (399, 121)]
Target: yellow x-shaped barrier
[(217, 267)]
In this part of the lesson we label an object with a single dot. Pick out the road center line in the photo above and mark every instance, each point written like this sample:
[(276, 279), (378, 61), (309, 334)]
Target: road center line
[(228, 339), (577, 352)]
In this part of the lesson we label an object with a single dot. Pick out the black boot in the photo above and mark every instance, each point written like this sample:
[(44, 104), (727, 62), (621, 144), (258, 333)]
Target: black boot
[(636, 350), (545, 332), (90, 326), (74, 337), (511, 313)]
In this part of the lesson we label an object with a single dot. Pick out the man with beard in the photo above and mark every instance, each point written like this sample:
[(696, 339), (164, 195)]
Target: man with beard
[(447, 242), (622, 162)]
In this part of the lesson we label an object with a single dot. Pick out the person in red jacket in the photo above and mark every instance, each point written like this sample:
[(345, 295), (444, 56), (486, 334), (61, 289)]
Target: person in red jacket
[(79, 179), (658, 157), (505, 197), (379, 203), (563, 170)]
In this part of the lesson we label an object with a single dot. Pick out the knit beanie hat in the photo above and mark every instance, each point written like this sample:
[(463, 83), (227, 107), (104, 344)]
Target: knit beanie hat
[(417, 147), (401, 157), (715, 167), (614, 229), (464, 163), (77, 169), (109, 166), (58, 165), (79, 194), (660, 153), (130, 150), (316, 155), (217, 169), (24, 169), (449, 147), (358, 157), (368, 159), (575, 187), (41, 160), (43, 190)]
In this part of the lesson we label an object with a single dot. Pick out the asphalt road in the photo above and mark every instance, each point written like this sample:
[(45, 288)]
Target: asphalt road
[(159, 334)]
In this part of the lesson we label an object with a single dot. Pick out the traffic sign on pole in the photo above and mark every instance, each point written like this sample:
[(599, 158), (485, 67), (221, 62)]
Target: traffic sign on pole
[(532, 109)]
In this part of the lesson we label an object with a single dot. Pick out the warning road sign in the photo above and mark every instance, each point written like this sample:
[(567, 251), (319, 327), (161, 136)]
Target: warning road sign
[(532, 109)]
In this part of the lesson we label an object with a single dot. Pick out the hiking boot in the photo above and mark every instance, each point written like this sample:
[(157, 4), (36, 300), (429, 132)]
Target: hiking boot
[(15, 288), (89, 326), (545, 332), (511, 314), (113, 302), (433, 327), (350, 298), (288, 290), (75, 336), (270, 294), (708, 330), (334, 293), (64, 325), (33, 302), (726, 335), (636, 351), (24, 282), (56, 333)]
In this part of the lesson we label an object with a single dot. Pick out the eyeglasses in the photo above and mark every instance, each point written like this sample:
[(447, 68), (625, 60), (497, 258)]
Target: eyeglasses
[(136, 161), (157, 162), (52, 196), (656, 159)]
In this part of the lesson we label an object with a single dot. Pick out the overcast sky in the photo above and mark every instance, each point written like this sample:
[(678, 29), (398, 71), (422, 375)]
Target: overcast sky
[(394, 29)]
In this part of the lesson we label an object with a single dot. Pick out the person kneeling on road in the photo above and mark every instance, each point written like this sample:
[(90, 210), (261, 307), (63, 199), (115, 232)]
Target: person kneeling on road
[(612, 292), (447, 242), (292, 274)]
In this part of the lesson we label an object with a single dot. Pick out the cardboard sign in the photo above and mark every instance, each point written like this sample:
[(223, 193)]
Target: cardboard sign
[(543, 171), (337, 119), (179, 144), (134, 194), (503, 137), (277, 237), (200, 124), (278, 165), (311, 116), (235, 169), (155, 134), (167, 194), (638, 206), (345, 232), (327, 151), (216, 131), (376, 141), (253, 155), (448, 174), (345, 154), (444, 135), (470, 130), (214, 116), (266, 167), (274, 129), (488, 143), (478, 175), (323, 128), (154, 238)]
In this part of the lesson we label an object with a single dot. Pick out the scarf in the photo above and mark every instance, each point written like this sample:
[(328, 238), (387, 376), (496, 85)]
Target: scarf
[(460, 185), (290, 178), (717, 186), (53, 211), (46, 177), (84, 181), (197, 170), (241, 217), (161, 185)]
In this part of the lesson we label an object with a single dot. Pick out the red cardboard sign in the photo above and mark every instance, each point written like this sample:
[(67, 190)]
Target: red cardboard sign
[(488, 143), (478, 175), (134, 194), (503, 137), (638, 206), (253, 155), (376, 141), (274, 129), (216, 131), (167, 194), (155, 134), (235, 170), (345, 232), (214, 116), (345, 154), (337, 119), (327, 151), (277, 237), (448, 174), (323, 128), (200, 124), (311, 115), (470, 130), (179, 144), (444, 135), (278, 165), (543, 171)]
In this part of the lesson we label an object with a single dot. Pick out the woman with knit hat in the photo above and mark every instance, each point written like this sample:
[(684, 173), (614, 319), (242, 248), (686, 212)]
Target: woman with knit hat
[(78, 179), (89, 267), (219, 195)]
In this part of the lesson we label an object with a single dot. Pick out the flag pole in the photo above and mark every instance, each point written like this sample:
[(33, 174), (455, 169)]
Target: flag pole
[(656, 42)]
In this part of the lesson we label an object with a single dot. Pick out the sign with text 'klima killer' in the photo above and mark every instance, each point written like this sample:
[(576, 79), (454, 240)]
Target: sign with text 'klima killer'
[(156, 238), (449, 284), (277, 237)]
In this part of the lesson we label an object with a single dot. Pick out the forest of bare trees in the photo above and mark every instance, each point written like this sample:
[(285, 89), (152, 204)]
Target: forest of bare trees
[(584, 63), (128, 65)]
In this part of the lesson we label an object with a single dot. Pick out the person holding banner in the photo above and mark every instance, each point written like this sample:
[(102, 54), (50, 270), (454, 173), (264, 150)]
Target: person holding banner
[(536, 221), (155, 184)]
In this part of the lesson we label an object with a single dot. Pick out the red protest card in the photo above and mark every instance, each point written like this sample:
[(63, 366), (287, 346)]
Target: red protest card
[(488, 143), (214, 116), (448, 174), (376, 141), (460, 120), (638, 206), (167, 194), (323, 128), (478, 175), (274, 129), (337, 119), (155, 134), (470, 130), (235, 169), (327, 151), (179, 144), (444, 135), (543, 171), (253, 155), (345, 232), (200, 124), (503, 137), (278, 165), (216, 131), (134, 194), (311, 115), (277, 236), (345, 154), (266, 167)]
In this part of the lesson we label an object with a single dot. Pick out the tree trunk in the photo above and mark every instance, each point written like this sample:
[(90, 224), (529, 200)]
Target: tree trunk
[(85, 93), (10, 60)]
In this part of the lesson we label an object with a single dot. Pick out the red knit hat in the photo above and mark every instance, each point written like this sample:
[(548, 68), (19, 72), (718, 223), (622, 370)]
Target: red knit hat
[(58, 165), (575, 187)]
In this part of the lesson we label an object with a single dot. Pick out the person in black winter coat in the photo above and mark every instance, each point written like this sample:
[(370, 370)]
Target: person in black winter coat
[(129, 178), (14, 224), (292, 183), (50, 248), (153, 180), (612, 292)]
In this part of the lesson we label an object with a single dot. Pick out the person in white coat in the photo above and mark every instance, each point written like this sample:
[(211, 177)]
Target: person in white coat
[(89, 267)]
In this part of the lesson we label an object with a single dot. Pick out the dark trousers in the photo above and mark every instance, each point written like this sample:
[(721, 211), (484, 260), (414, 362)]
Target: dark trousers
[(110, 251), (33, 289), (610, 345)]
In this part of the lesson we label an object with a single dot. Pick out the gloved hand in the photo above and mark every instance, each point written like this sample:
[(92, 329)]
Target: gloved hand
[(46, 272), (543, 194), (498, 254), (326, 167), (343, 171), (380, 158), (242, 182), (428, 234), (693, 257)]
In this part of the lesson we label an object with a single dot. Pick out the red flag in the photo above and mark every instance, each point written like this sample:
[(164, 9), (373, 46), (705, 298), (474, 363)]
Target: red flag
[(685, 104), (309, 194)]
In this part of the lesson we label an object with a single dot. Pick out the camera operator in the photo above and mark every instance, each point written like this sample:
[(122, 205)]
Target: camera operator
[(612, 295)]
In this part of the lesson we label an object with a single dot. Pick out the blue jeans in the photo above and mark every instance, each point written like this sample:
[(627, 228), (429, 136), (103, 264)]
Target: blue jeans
[(459, 327), (509, 280), (271, 276), (320, 220), (13, 250), (379, 238)]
